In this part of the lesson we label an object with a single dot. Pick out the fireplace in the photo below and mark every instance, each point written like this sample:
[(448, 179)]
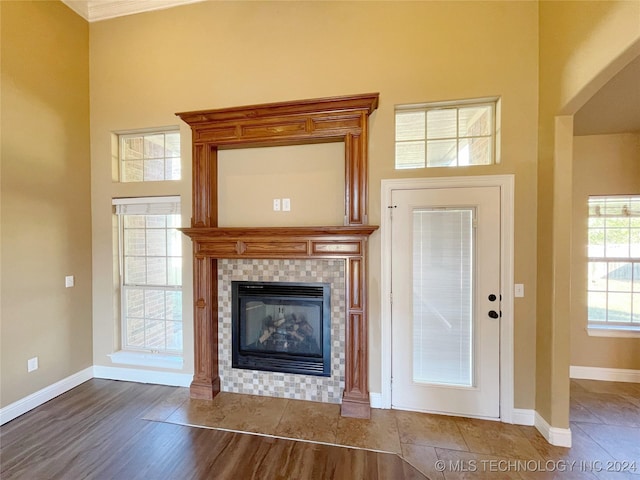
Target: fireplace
[(281, 327), (337, 119)]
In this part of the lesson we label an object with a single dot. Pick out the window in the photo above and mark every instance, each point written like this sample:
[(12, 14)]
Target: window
[(148, 157), (150, 258), (614, 262), (446, 134)]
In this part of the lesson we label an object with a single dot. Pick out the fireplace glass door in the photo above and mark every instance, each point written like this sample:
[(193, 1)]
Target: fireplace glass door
[(282, 327)]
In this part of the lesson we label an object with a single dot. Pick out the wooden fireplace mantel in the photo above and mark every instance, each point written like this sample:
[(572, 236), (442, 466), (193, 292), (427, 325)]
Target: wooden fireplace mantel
[(279, 242), (335, 119)]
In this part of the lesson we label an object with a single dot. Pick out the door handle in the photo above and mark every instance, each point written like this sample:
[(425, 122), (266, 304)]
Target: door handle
[(494, 314)]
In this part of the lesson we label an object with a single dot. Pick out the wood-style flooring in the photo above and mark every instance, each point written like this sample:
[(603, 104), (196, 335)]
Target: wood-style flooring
[(605, 427), (117, 430), (96, 431)]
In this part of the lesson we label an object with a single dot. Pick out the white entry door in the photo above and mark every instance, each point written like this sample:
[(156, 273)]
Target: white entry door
[(445, 309)]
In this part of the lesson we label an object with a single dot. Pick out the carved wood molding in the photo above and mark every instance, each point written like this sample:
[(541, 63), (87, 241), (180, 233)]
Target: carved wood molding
[(336, 119), (279, 242), (284, 123), (332, 119)]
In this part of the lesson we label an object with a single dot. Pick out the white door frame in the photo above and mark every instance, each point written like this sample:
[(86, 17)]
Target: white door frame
[(506, 184)]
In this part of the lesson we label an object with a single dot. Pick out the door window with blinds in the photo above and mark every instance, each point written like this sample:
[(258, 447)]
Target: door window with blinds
[(614, 262), (150, 259), (443, 245), (447, 134)]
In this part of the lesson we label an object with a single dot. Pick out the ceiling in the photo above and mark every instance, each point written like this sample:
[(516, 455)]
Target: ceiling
[(96, 10), (613, 109)]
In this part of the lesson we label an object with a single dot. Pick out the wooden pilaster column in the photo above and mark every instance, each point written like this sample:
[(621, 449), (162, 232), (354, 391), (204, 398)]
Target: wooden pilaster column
[(356, 174), (205, 186), (206, 382), (355, 399)]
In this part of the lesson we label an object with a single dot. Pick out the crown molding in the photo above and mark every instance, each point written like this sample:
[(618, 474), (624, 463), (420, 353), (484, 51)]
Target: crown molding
[(81, 7), (96, 10)]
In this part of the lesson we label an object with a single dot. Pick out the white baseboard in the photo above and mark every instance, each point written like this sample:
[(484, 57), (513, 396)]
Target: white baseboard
[(606, 374), (375, 399), (36, 399), (143, 376), (521, 416), (560, 437)]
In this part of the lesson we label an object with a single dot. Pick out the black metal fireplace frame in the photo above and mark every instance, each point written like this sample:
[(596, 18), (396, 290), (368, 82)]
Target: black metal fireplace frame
[(307, 364)]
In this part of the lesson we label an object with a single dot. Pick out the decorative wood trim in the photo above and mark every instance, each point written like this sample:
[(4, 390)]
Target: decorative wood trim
[(205, 186), (206, 382), (280, 232), (284, 242), (321, 110), (355, 401), (333, 119)]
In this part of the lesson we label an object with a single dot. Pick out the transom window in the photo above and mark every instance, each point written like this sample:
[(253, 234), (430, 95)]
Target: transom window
[(148, 157), (150, 273), (614, 262), (446, 134)]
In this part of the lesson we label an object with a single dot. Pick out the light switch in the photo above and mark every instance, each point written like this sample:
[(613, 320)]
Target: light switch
[(69, 281), (519, 290)]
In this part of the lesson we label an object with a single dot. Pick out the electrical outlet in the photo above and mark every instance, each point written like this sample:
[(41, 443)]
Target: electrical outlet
[(32, 364), (276, 204), (286, 204), (69, 281)]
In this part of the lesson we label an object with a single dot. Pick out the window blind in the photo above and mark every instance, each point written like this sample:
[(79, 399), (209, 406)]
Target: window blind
[(147, 206)]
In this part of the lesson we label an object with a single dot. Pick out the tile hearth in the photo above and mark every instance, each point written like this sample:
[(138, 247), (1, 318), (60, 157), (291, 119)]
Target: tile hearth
[(422, 439)]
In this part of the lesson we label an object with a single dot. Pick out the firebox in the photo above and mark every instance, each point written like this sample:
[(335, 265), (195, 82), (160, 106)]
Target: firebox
[(281, 327)]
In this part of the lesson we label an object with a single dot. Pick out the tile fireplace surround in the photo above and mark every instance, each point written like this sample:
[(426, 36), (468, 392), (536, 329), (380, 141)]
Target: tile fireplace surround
[(337, 119), (273, 384)]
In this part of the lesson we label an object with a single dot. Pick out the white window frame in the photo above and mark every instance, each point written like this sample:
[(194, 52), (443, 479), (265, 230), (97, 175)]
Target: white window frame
[(166, 205), (607, 328), (494, 136), (122, 136)]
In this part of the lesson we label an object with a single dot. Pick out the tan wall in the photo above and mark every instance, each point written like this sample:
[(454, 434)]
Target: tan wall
[(221, 54), (604, 165), (146, 67), (312, 177), (46, 216), (580, 53), (582, 45)]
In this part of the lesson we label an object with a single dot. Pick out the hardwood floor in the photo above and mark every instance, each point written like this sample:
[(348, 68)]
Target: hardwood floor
[(96, 431), (118, 430)]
